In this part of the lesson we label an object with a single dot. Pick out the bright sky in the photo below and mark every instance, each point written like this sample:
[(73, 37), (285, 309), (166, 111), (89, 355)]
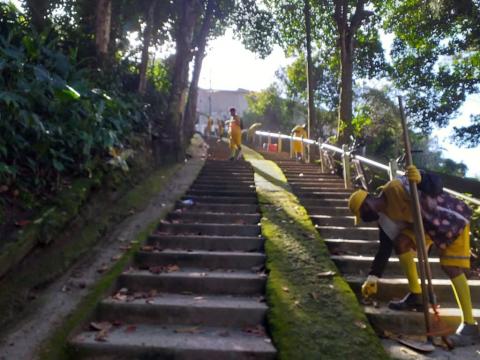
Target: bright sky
[(229, 66)]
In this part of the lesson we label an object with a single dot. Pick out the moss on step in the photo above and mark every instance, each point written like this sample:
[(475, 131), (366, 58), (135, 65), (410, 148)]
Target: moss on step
[(312, 314)]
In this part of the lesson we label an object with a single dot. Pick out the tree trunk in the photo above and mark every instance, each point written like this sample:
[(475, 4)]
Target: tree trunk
[(103, 22), (38, 11), (201, 43), (147, 39), (178, 95), (345, 113), (347, 28), (311, 105)]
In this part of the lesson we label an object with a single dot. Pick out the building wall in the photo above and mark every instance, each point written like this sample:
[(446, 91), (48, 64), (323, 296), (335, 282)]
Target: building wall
[(222, 101)]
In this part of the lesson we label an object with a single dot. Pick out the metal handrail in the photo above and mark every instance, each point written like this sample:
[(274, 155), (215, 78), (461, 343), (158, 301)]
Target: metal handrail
[(359, 158)]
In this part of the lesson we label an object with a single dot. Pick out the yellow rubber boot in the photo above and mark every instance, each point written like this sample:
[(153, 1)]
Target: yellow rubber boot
[(410, 269), (464, 301)]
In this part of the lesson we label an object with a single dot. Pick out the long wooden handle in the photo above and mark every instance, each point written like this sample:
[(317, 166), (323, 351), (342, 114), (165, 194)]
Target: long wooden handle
[(417, 224)]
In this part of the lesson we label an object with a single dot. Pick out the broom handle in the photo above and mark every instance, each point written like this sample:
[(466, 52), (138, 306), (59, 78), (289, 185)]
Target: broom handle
[(418, 226)]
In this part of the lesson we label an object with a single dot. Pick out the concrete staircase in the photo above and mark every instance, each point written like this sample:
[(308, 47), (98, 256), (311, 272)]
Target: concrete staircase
[(196, 289), (353, 248)]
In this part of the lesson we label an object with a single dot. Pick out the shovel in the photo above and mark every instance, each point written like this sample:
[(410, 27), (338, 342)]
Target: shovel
[(428, 295)]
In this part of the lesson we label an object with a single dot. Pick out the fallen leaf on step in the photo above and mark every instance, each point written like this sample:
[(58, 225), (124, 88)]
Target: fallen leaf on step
[(22, 223), (326, 274), (101, 335), (152, 293), (120, 297), (296, 303), (156, 269), (147, 248), (257, 330), (102, 269), (130, 328), (172, 268), (99, 326), (198, 298), (188, 330), (286, 289), (116, 257)]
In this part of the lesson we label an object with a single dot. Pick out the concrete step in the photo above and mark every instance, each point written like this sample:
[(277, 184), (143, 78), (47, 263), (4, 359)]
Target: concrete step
[(323, 194), (195, 281), (226, 172), (224, 193), (410, 322), (173, 342), (219, 218), (176, 309), (209, 243), (327, 220), (343, 232), (223, 187), (200, 259), (225, 178), (328, 210), (319, 186), (352, 247), (324, 202), (397, 288), (224, 182), (222, 199), (361, 247), (209, 229), (221, 208), (360, 265)]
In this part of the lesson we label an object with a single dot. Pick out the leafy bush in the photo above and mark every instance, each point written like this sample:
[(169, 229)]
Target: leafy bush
[(54, 117)]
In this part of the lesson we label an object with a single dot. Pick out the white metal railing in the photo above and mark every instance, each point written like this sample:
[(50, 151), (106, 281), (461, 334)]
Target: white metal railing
[(347, 156)]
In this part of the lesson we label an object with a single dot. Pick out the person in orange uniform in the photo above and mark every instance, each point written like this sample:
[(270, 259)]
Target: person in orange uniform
[(208, 128), (221, 128), (235, 135), (298, 131), (447, 225)]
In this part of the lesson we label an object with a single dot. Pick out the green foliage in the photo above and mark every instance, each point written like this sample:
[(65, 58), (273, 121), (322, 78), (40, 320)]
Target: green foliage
[(56, 119), (436, 59)]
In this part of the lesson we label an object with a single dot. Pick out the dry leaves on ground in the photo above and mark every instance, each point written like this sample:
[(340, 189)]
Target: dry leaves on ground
[(257, 330)]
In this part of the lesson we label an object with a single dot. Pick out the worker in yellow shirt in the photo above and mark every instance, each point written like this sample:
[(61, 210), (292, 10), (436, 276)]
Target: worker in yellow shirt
[(221, 128), (235, 135), (298, 131), (208, 128), (453, 242)]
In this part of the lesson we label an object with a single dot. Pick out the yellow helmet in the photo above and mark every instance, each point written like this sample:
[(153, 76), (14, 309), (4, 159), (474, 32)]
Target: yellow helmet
[(355, 203)]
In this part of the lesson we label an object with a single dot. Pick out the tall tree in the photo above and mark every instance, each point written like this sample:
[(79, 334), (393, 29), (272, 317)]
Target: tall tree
[(436, 59), (348, 20), (340, 27), (147, 39), (200, 43), (38, 10), (103, 21), (186, 13)]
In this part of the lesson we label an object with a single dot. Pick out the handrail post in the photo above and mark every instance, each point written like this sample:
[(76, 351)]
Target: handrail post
[(260, 145), (320, 154), (308, 154), (393, 168), (279, 144), (291, 146), (269, 141), (346, 166)]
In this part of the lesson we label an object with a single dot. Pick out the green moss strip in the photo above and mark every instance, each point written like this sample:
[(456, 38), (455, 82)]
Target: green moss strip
[(312, 314)]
